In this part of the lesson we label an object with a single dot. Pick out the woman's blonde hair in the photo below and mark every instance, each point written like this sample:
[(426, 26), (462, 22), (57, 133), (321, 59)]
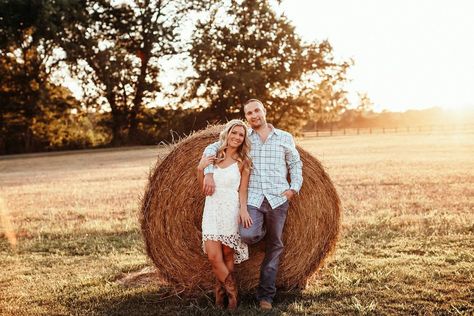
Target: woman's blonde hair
[(243, 152)]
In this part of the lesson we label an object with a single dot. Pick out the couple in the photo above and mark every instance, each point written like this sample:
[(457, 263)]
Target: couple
[(244, 176)]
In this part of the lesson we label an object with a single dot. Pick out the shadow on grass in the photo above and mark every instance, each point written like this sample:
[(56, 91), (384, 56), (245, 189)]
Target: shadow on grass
[(163, 301)]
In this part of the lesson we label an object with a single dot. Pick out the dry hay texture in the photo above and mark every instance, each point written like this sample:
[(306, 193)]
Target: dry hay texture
[(171, 217)]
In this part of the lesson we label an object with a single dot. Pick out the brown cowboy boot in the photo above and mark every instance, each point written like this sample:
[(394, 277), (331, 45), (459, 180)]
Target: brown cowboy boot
[(219, 292), (231, 290)]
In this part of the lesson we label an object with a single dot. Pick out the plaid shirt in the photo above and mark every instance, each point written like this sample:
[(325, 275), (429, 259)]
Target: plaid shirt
[(271, 162)]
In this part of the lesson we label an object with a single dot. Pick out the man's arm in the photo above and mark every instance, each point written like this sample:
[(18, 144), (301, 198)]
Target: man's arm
[(203, 163), (210, 150), (244, 216), (209, 185), (295, 165)]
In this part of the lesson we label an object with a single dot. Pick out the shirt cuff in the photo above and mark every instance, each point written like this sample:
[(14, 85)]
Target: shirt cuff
[(296, 189), (209, 169)]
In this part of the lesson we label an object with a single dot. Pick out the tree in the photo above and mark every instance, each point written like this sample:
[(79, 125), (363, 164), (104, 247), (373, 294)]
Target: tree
[(327, 102), (115, 50), (27, 32), (365, 103), (248, 51)]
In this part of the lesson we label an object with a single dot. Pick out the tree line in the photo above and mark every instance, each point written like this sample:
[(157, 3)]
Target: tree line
[(119, 53)]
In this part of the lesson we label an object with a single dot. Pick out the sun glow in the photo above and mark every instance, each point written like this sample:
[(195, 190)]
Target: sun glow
[(408, 54)]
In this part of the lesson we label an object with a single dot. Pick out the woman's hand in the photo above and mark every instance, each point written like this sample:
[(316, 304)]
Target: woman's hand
[(206, 161), (244, 218)]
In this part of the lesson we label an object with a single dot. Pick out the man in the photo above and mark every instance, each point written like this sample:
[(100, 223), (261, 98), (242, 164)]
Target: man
[(273, 155)]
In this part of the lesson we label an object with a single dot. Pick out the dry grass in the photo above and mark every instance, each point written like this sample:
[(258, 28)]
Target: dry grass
[(406, 245)]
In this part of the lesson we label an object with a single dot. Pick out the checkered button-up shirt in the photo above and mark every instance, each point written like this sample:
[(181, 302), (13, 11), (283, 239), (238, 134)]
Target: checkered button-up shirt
[(272, 160)]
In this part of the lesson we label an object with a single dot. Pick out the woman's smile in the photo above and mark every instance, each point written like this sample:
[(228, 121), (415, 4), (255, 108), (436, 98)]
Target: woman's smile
[(236, 141)]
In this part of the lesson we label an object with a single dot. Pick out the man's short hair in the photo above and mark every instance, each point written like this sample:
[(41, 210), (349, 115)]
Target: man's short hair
[(253, 100)]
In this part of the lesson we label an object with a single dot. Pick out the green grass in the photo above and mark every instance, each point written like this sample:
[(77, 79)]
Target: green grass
[(406, 245)]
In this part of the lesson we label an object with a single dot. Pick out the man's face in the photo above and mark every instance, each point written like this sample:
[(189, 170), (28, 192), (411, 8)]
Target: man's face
[(255, 114)]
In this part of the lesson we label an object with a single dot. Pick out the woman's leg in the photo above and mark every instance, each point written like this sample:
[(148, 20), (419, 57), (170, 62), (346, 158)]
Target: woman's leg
[(228, 257), (216, 258), (230, 284)]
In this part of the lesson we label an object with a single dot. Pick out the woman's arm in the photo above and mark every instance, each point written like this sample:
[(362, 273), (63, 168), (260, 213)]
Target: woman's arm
[(203, 163), (244, 215), (209, 185)]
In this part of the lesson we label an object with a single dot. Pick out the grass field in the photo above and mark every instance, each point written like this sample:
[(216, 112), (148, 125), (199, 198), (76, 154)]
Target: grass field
[(407, 242)]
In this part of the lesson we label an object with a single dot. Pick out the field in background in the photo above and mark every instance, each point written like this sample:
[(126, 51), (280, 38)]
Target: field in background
[(430, 129), (406, 245)]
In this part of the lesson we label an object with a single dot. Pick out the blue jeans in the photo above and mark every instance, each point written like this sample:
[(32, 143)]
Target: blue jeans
[(269, 222)]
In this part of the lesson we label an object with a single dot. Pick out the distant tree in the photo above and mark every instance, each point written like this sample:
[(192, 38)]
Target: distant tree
[(363, 109), (246, 50), (365, 103), (30, 111), (27, 97), (115, 51), (326, 103), (71, 128)]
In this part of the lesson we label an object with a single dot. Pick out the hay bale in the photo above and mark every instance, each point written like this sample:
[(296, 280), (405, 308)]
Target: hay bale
[(171, 217)]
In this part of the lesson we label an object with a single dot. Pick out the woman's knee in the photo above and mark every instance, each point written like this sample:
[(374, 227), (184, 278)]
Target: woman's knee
[(214, 251), (214, 258)]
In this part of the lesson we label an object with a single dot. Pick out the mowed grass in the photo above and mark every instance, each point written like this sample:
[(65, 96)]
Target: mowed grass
[(406, 247)]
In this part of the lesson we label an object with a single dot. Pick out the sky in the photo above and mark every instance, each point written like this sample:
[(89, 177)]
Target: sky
[(408, 54)]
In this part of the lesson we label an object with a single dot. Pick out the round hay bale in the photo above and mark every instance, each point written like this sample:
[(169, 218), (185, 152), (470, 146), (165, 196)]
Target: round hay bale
[(171, 216)]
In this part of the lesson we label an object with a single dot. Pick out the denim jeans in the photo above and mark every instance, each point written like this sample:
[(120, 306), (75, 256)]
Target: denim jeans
[(269, 222)]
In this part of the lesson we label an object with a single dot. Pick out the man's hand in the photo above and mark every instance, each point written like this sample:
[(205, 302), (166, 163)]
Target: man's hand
[(289, 194), (206, 161), (209, 186)]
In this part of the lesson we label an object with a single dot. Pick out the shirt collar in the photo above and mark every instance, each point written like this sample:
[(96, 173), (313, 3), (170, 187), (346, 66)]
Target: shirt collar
[(274, 130)]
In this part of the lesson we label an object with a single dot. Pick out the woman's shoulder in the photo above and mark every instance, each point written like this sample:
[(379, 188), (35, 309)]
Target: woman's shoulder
[(243, 165)]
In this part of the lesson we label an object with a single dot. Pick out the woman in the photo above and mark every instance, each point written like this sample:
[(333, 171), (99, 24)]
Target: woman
[(226, 208)]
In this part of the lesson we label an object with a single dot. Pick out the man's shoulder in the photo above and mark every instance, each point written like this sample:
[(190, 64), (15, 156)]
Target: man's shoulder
[(283, 134), (213, 145)]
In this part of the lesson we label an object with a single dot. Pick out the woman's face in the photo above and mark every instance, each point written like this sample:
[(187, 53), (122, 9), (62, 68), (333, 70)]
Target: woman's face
[(236, 136)]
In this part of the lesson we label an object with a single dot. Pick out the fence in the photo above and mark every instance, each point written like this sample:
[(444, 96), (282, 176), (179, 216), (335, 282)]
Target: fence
[(386, 130)]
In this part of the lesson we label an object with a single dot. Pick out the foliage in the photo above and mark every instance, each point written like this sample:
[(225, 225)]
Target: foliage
[(115, 50), (245, 50), (35, 114)]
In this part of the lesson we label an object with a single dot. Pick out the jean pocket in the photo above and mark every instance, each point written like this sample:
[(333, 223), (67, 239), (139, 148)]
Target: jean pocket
[(284, 207)]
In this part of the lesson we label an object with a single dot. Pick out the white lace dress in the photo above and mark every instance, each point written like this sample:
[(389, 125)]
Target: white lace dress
[(221, 212)]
